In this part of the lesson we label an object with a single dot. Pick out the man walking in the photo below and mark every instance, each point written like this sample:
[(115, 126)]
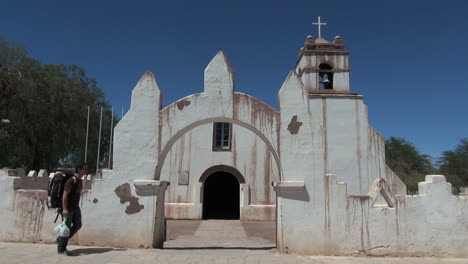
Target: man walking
[(71, 206)]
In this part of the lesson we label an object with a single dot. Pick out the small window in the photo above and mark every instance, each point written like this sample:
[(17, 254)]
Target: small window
[(222, 136)]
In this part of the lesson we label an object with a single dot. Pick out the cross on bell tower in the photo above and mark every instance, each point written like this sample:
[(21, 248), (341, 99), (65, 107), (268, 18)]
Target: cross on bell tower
[(319, 25)]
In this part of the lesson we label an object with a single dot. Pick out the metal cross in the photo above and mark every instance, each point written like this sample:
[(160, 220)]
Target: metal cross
[(319, 24)]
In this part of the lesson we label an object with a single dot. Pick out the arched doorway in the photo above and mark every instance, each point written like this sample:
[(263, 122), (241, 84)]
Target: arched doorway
[(221, 196)]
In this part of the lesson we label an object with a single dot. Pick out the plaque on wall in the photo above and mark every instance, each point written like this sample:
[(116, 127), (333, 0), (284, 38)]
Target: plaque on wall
[(183, 178)]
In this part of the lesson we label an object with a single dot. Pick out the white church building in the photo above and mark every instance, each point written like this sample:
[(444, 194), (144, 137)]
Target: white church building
[(315, 166)]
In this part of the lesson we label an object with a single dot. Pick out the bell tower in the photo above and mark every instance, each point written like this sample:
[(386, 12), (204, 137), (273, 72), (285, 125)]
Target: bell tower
[(323, 66)]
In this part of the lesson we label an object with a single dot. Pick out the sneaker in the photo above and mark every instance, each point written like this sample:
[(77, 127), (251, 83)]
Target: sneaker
[(66, 252)]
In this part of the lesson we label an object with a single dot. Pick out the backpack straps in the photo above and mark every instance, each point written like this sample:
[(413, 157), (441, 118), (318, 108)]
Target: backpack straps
[(59, 212)]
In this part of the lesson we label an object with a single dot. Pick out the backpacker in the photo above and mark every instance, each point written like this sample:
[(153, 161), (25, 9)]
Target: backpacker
[(55, 191)]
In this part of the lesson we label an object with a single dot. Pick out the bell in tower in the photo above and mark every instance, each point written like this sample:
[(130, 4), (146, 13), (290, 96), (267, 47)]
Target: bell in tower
[(324, 66)]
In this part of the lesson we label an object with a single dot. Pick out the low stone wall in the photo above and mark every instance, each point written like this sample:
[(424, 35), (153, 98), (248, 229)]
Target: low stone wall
[(432, 223), (464, 191), (112, 214), (23, 213), (36, 180)]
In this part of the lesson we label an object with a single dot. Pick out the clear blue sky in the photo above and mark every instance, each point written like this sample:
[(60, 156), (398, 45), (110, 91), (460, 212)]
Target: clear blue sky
[(408, 58)]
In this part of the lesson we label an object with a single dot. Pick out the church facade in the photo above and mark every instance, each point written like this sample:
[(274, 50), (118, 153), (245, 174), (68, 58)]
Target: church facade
[(321, 127), (315, 166)]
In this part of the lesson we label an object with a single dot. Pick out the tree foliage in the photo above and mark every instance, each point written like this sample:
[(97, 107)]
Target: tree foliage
[(406, 161), (47, 106), (454, 164)]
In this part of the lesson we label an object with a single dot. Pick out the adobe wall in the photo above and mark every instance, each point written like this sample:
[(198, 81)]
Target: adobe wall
[(432, 223), (110, 209)]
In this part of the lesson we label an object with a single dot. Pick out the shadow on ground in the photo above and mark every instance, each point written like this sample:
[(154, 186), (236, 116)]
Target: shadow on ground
[(90, 251), (205, 248)]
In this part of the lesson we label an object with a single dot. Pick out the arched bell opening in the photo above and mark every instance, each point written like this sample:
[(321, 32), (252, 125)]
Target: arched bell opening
[(325, 77)]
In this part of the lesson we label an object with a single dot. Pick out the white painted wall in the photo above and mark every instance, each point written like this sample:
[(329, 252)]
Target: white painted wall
[(352, 149)]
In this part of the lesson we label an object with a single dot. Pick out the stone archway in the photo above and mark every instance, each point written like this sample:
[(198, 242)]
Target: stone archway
[(167, 147), (224, 168)]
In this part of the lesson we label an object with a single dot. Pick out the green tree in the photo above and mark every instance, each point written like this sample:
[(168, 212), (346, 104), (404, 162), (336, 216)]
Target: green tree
[(47, 106), (406, 161), (11, 54), (454, 165)]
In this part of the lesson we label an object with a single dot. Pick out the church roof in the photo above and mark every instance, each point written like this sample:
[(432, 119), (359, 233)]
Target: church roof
[(322, 41), (322, 46)]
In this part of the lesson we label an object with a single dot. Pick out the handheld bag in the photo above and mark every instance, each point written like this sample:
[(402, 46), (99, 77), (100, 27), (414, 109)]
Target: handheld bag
[(62, 229)]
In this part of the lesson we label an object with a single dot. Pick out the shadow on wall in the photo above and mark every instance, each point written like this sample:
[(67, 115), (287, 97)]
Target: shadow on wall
[(299, 194)]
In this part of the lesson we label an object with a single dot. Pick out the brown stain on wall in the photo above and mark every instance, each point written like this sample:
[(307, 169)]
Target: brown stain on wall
[(31, 183), (181, 156), (325, 136), (358, 220), (176, 211), (400, 201), (294, 125), (29, 208), (327, 231), (182, 103), (267, 179), (253, 172), (258, 213), (179, 162), (235, 104), (358, 145), (189, 155), (266, 120), (262, 116), (234, 148), (375, 156), (125, 194), (171, 159)]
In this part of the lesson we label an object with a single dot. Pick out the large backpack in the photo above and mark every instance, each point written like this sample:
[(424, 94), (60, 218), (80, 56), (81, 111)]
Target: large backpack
[(55, 191)]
